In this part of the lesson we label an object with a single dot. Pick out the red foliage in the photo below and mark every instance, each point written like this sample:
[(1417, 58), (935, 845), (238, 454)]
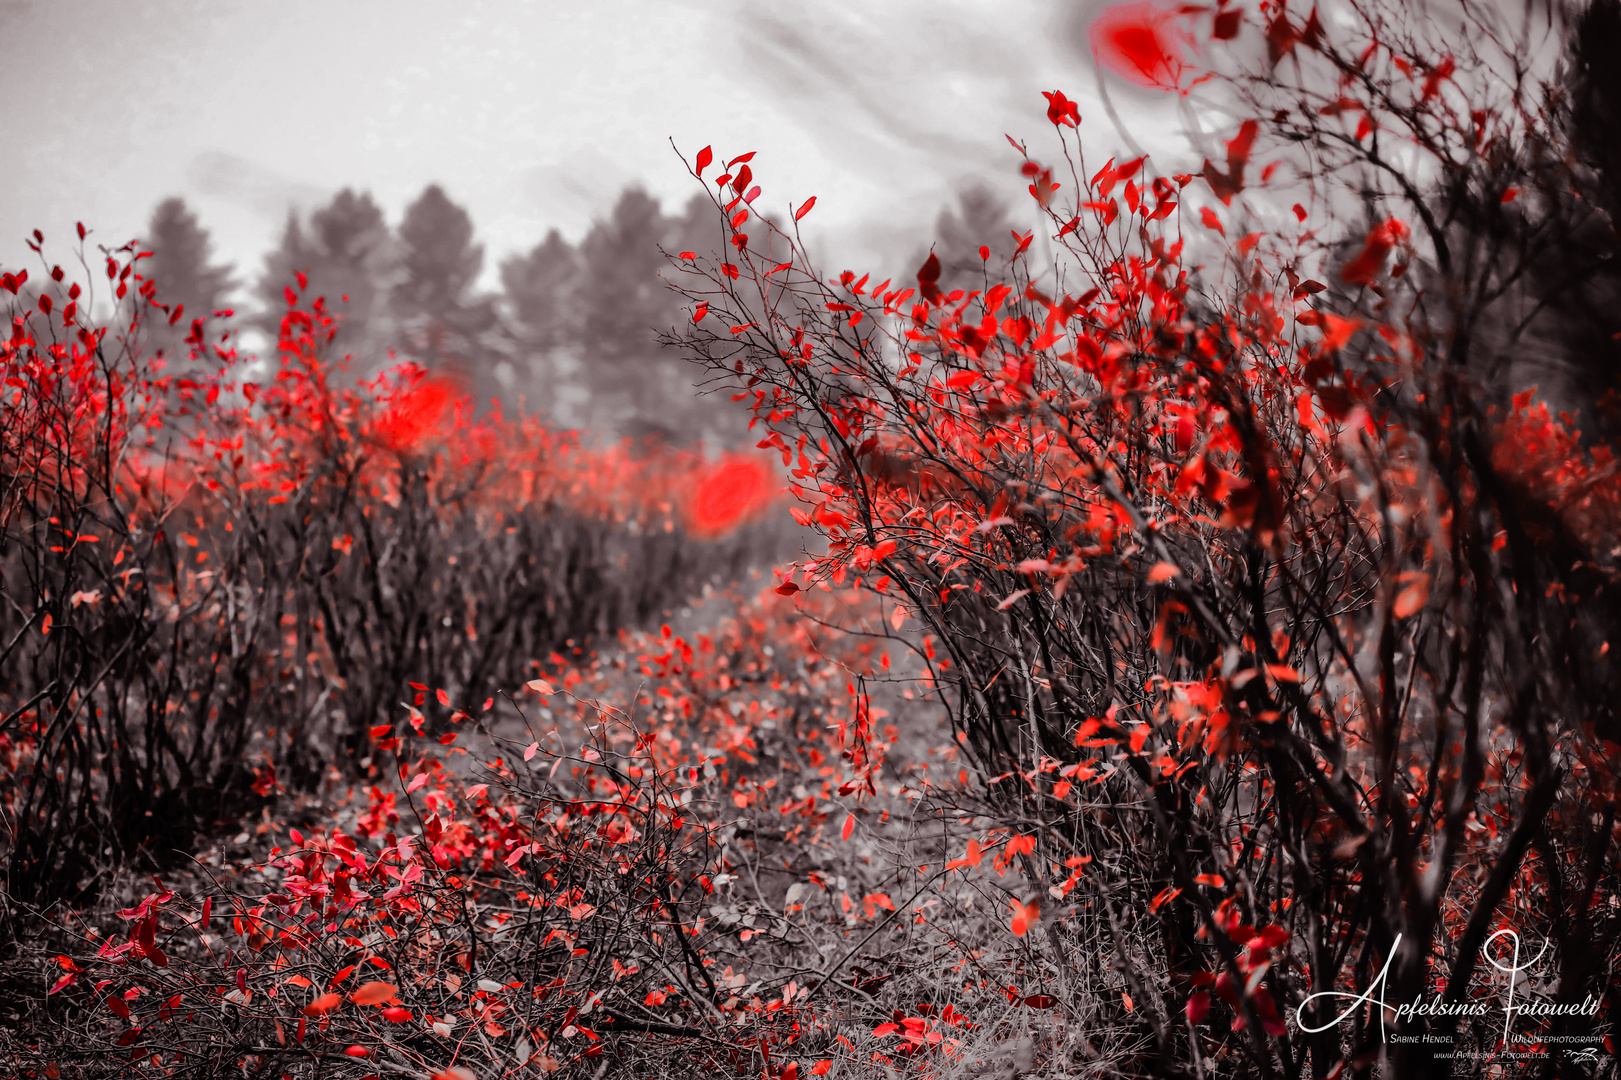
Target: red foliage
[(1175, 531), (145, 498), (418, 410)]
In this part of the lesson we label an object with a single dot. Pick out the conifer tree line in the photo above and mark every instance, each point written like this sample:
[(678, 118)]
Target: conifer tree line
[(571, 333)]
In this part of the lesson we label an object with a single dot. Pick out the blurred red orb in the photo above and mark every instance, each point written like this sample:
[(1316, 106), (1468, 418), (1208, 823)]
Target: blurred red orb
[(730, 493), (1137, 42)]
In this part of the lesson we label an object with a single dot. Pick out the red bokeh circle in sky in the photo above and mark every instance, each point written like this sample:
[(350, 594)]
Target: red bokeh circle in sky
[(1138, 42)]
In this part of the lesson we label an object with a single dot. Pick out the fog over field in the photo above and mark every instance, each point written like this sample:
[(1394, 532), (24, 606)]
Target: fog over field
[(532, 115)]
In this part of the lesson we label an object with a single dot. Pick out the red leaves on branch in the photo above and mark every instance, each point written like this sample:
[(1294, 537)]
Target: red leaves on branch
[(419, 412), (1061, 110)]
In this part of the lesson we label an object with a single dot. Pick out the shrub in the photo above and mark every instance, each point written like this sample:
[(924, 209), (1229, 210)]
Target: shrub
[(1241, 593), (218, 585)]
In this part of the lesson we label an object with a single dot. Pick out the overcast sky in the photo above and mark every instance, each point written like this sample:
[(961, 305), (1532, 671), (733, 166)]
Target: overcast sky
[(531, 114)]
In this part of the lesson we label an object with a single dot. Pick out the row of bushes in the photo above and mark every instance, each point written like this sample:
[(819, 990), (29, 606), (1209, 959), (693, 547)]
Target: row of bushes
[(216, 582)]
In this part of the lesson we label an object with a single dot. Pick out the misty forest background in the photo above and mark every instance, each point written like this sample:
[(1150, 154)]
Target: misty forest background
[(571, 335)]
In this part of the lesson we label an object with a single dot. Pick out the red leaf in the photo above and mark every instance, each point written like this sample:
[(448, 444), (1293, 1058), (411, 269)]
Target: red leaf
[(1025, 916), (849, 827), (1198, 1006), (1412, 599), (1012, 598), (323, 1004), (1040, 1001), (1381, 241), (146, 937), (805, 208), (1211, 221), (705, 156), (373, 993), (787, 588), (1230, 183), (1166, 894), (972, 858), (1280, 38), (1227, 24), (928, 278)]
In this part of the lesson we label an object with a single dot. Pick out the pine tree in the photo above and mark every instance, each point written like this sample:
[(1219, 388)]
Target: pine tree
[(538, 290), (442, 323), (346, 253), (623, 303), (537, 287), (978, 220), (188, 282)]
